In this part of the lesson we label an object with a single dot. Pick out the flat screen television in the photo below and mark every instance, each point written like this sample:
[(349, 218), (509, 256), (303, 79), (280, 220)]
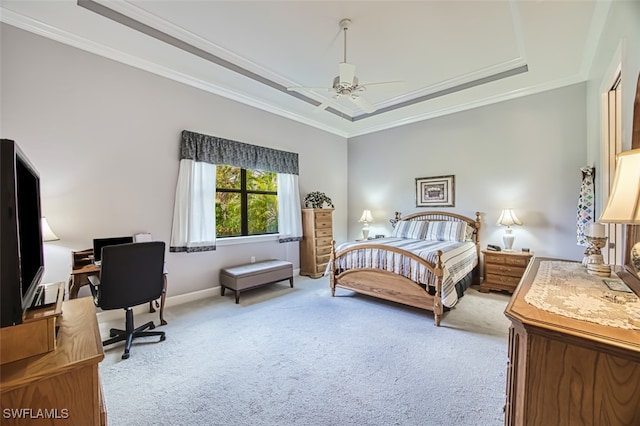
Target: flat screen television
[(21, 256)]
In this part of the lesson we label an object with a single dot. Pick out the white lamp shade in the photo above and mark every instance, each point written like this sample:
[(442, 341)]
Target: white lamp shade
[(508, 217), (624, 201), (366, 216), (47, 232)]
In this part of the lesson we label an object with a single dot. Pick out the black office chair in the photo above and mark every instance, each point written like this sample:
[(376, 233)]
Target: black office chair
[(130, 275)]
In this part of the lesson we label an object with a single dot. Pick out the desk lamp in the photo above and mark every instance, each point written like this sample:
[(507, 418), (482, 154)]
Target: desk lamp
[(47, 232)]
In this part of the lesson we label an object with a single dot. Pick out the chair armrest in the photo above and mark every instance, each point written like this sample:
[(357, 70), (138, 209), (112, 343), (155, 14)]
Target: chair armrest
[(94, 280)]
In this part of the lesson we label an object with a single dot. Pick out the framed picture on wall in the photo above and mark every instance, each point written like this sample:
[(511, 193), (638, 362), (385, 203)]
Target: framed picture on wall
[(437, 191)]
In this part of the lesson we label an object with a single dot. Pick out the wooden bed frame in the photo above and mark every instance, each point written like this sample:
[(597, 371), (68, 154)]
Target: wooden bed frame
[(397, 288)]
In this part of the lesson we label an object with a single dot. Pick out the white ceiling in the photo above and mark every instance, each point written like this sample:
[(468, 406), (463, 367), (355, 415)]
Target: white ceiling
[(452, 55)]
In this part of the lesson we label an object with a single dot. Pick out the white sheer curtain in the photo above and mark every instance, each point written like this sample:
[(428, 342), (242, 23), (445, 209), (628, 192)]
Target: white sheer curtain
[(194, 212), (289, 215)]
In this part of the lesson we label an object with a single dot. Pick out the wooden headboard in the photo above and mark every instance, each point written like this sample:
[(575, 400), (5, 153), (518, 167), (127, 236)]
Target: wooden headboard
[(444, 216)]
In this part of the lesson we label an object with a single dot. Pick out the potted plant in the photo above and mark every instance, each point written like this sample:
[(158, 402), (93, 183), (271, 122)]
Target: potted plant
[(317, 199)]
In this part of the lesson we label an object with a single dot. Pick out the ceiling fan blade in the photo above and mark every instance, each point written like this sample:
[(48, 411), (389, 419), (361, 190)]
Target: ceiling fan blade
[(347, 73), (364, 104), (346, 84), (384, 85)]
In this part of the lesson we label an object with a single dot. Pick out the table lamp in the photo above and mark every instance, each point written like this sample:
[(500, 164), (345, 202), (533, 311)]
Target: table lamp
[(366, 218), (624, 201), (47, 232), (507, 218)]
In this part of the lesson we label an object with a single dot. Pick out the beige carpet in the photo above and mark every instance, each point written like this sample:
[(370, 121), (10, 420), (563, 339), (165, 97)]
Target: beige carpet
[(300, 357)]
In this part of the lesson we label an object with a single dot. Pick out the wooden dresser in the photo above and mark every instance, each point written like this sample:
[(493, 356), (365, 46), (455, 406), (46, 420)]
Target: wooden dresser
[(315, 247), (565, 371), (62, 386), (503, 269)]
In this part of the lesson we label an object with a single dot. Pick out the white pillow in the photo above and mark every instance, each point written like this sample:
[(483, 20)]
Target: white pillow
[(446, 231), (415, 229)]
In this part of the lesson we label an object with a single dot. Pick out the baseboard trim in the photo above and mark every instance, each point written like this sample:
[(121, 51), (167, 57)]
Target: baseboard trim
[(114, 315)]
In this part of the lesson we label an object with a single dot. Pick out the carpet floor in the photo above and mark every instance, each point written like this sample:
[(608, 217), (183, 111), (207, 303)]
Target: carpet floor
[(297, 356)]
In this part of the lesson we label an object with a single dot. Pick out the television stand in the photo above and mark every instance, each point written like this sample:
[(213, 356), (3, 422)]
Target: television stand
[(37, 333), (61, 386), (46, 295)]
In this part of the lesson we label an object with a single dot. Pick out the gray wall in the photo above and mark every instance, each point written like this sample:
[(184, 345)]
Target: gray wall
[(618, 51), (105, 136), (524, 153), (619, 46)]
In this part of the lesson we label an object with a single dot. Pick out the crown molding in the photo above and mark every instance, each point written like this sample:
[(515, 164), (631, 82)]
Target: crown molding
[(146, 18), (514, 94), (56, 34), (366, 125)]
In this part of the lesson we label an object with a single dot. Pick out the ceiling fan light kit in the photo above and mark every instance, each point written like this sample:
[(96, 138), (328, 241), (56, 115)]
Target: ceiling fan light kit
[(346, 84)]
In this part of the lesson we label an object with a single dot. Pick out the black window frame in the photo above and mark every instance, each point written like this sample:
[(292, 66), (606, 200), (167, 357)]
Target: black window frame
[(244, 204)]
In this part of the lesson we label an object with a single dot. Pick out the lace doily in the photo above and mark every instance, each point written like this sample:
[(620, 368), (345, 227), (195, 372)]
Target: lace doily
[(565, 288)]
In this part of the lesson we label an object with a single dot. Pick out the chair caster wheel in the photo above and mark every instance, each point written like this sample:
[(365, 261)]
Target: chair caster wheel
[(112, 333), (125, 355), (163, 338), (152, 326)]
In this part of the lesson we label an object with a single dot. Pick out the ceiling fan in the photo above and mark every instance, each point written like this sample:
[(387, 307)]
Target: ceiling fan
[(346, 84)]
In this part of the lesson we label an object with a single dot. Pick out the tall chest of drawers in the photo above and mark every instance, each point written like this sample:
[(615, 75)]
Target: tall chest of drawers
[(315, 247)]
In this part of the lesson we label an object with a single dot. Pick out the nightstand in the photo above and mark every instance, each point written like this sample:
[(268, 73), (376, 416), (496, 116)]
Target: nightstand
[(503, 269)]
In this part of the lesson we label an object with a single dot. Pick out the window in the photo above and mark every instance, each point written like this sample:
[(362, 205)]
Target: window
[(231, 189), (246, 202)]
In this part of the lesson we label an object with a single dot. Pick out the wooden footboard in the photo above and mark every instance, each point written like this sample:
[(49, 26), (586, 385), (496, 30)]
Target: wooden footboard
[(384, 284), (388, 285)]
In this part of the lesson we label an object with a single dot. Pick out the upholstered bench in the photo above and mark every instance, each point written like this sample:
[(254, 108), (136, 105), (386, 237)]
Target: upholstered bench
[(244, 277)]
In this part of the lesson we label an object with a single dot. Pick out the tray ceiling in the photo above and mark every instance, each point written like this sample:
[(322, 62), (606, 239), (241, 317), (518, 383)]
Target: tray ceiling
[(451, 55)]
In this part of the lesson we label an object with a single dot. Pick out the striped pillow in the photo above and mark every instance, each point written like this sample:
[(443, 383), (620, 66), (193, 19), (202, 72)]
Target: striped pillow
[(446, 231), (469, 233), (415, 229)]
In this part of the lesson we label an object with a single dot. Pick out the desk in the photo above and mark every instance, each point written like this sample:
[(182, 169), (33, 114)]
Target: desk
[(62, 384), (80, 277)]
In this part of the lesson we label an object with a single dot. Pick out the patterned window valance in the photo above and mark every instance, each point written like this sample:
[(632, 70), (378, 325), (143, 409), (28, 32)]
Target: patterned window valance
[(214, 150)]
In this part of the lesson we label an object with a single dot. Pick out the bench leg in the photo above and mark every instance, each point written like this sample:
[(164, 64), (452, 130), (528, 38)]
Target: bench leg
[(222, 288), (291, 282), (237, 296)]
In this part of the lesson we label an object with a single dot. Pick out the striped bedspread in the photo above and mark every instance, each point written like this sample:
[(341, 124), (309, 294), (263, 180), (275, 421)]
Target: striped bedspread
[(458, 259)]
